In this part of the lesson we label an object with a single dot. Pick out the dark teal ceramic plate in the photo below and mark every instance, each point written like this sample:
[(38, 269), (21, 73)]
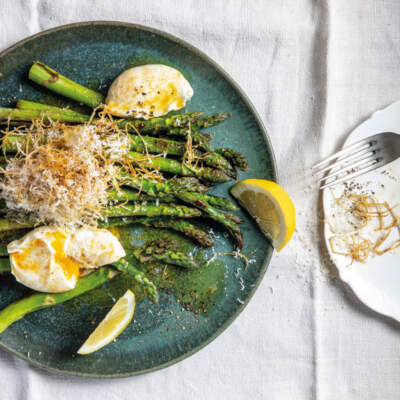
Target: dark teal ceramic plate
[(94, 53)]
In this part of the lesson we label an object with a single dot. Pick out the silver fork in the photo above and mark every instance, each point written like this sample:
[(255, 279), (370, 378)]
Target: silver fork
[(358, 158)]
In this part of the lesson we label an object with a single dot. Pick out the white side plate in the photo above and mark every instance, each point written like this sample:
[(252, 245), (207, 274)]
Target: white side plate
[(376, 283)]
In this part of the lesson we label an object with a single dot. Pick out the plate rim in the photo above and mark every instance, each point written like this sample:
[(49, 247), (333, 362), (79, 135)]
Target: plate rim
[(269, 148)]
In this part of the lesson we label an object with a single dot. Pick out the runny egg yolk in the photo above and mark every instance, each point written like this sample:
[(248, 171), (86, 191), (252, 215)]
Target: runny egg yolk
[(158, 103), (29, 258), (68, 264), (48, 259), (165, 99)]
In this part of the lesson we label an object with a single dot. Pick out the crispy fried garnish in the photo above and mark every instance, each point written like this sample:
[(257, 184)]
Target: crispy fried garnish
[(189, 159), (365, 207), (359, 248), (61, 173)]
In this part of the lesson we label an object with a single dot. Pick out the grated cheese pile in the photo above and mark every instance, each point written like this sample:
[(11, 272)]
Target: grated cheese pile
[(61, 173)]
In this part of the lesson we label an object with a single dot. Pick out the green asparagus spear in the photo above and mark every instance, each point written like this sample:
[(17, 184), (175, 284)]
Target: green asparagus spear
[(170, 257), (179, 124), (216, 201), (199, 138), (37, 301), (220, 202), (14, 114), (187, 183), (177, 224), (204, 122), (206, 174), (236, 158), (217, 161), (175, 187), (8, 225), (180, 225), (11, 144), (158, 250), (139, 209), (172, 147), (152, 125), (53, 80), (210, 120), (130, 195), (31, 105), (160, 124), (3, 250), (128, 267), (157, 145), (158, 189), (235, 218), (233, 228), (5, 266), (150, 210)]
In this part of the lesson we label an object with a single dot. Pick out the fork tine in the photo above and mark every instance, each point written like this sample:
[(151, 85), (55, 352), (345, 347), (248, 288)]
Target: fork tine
[(363, 154), (362, 161), (376, 164), (363, 144)]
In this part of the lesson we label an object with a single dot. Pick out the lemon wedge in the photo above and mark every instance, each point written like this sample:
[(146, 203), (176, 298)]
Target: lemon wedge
[(116, 320), (272, 208)]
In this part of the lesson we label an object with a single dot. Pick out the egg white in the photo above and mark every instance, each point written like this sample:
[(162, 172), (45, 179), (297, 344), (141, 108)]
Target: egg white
[(148, 91), (100, 247), (48, 259), (33, 262)]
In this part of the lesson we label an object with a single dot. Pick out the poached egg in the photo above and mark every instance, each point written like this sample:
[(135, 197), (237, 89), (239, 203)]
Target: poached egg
[(148, 91), (49, 259)]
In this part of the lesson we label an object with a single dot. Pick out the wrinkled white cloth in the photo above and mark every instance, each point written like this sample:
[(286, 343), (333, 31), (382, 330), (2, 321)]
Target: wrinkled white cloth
[(314, 70)]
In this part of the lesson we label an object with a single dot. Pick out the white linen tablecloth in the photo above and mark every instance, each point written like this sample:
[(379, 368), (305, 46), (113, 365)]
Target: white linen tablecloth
[(314, 70)]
